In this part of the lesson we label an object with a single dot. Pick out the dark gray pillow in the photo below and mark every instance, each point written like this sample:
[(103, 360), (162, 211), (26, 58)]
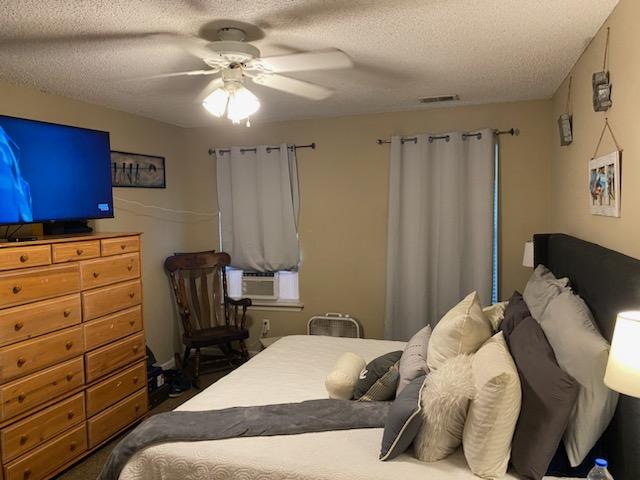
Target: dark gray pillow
[(515, 312), (379, 380), (403, 421), (548, 398)]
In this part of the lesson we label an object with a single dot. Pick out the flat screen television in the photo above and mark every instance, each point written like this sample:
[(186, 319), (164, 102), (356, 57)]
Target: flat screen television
[(51, 172)]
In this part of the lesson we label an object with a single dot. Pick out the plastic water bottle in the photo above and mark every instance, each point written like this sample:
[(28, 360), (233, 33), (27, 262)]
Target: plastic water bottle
[(599, 471)]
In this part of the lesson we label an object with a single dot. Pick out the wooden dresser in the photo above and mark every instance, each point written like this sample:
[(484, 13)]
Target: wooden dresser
[(72, 349)]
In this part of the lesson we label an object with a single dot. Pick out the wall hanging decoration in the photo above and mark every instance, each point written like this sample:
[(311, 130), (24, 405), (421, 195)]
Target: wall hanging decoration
[(135, 170), (601, 84), (564, 121), (604, 179)]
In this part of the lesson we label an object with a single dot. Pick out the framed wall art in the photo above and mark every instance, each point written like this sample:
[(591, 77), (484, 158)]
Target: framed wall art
[(604, 185), (136, 170)]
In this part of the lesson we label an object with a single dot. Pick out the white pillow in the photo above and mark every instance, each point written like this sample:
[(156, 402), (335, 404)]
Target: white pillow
[(541, 288), (461, 331), (494, 411), (444, 399), (341, 382), (495, 314), (583, 353)]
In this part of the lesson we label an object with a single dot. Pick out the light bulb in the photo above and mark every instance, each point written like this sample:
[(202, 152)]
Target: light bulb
[(242, 104), (216, 103)]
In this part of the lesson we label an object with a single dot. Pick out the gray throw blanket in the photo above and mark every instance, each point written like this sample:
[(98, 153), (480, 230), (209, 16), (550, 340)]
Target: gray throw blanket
[(262, 421)]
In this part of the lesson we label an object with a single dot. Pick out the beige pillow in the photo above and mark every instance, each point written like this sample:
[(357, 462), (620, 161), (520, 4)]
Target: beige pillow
[(495, 314), (494, 411), (461, 331), (341, 382), (444, 400)]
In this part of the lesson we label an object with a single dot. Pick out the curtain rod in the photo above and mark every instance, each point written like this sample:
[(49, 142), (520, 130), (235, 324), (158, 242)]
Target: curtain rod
[(312, 146), (511, 131)]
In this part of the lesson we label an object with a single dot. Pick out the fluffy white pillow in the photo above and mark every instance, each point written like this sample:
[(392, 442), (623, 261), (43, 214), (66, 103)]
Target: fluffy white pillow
[(444, 399), (341, 382), (495, 314), (583, 353), (461, 331), (494, 411)]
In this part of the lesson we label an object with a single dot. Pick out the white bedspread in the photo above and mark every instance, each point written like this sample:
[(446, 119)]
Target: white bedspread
[(291, 370)]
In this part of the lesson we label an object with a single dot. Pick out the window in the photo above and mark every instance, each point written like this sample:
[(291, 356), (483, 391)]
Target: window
[(494, 253)]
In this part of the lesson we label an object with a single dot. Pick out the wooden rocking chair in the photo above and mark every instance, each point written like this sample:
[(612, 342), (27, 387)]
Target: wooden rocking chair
[(210, 318)]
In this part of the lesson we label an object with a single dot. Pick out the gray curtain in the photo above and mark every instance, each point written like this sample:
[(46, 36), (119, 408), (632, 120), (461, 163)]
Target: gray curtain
[(258, 200), (440, 228)]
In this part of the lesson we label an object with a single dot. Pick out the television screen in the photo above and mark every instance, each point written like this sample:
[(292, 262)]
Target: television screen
[(53, 172)]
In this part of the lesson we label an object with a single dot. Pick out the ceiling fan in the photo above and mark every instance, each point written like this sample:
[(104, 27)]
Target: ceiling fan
[(237, 61)]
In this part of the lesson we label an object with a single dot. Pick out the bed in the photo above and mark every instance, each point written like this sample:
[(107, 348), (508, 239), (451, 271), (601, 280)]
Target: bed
[(293, 369)]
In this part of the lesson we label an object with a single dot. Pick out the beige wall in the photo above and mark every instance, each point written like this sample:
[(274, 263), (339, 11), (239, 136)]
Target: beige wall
[(569, 193), (343, 186), (163, 232)]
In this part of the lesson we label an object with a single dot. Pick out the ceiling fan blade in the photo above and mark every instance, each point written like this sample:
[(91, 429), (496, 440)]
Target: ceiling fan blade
[(293, 86), (179, 74), (300, 62), (211, 86)]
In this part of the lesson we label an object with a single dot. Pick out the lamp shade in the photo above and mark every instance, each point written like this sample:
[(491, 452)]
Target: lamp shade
[(623, 368), (527, 257)]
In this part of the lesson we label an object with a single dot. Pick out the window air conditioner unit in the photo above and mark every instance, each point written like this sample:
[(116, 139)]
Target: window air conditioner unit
[(260, 285)]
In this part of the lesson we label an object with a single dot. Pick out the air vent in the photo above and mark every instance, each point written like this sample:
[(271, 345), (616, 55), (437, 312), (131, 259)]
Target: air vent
[(439, 99)]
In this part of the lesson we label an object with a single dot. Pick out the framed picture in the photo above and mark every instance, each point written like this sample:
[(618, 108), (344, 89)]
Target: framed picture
[(604, 185), (135, 170)]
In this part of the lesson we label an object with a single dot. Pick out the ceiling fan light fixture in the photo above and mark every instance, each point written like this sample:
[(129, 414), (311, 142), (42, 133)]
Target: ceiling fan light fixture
[(242, 104), (216, 102)]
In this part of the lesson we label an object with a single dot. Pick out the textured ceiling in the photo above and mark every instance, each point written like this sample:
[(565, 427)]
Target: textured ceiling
[(485, 51)]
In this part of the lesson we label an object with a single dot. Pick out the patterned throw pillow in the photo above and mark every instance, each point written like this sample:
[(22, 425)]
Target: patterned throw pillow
[(413, 363), (379, 380)]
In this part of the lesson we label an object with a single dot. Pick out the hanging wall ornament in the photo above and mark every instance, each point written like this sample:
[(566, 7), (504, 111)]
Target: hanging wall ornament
[(601, 84), (564, 121)]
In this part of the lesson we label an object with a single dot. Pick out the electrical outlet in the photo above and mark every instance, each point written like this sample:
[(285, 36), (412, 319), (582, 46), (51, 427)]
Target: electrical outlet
[(266, 326)]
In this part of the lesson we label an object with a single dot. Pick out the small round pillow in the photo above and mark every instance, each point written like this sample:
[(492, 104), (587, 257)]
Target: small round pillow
[(341, 382)]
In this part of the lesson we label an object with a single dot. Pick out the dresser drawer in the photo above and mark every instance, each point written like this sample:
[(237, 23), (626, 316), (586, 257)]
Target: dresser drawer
[(116, 246), (25, 286), (41, 427), (31, 355), (115, 418), (70, 251), (103, 301), (115, 388), (45, 459), (105, 360), (33, 319), (105, 271), (22, 257), (112, 327), (33, 390)]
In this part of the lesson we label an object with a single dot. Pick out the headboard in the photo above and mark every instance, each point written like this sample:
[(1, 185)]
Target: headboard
[(609, 282)]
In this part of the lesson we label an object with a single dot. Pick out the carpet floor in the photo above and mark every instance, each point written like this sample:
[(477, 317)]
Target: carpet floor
[(90, 466)]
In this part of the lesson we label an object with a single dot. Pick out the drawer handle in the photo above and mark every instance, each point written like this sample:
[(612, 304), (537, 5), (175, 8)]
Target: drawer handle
[(21, 361), (68, 345), (26, 474), (132, 294), (22, 397), (66, 312), (135, 380), (18, 326), (135, 348), (17, 289), (123, 246), (23, 439), (96, 274), (24, 258), (70, 415), (132, 322), (137, 408), (69, 377), (73, 445), (130, 267), (79, 251)]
